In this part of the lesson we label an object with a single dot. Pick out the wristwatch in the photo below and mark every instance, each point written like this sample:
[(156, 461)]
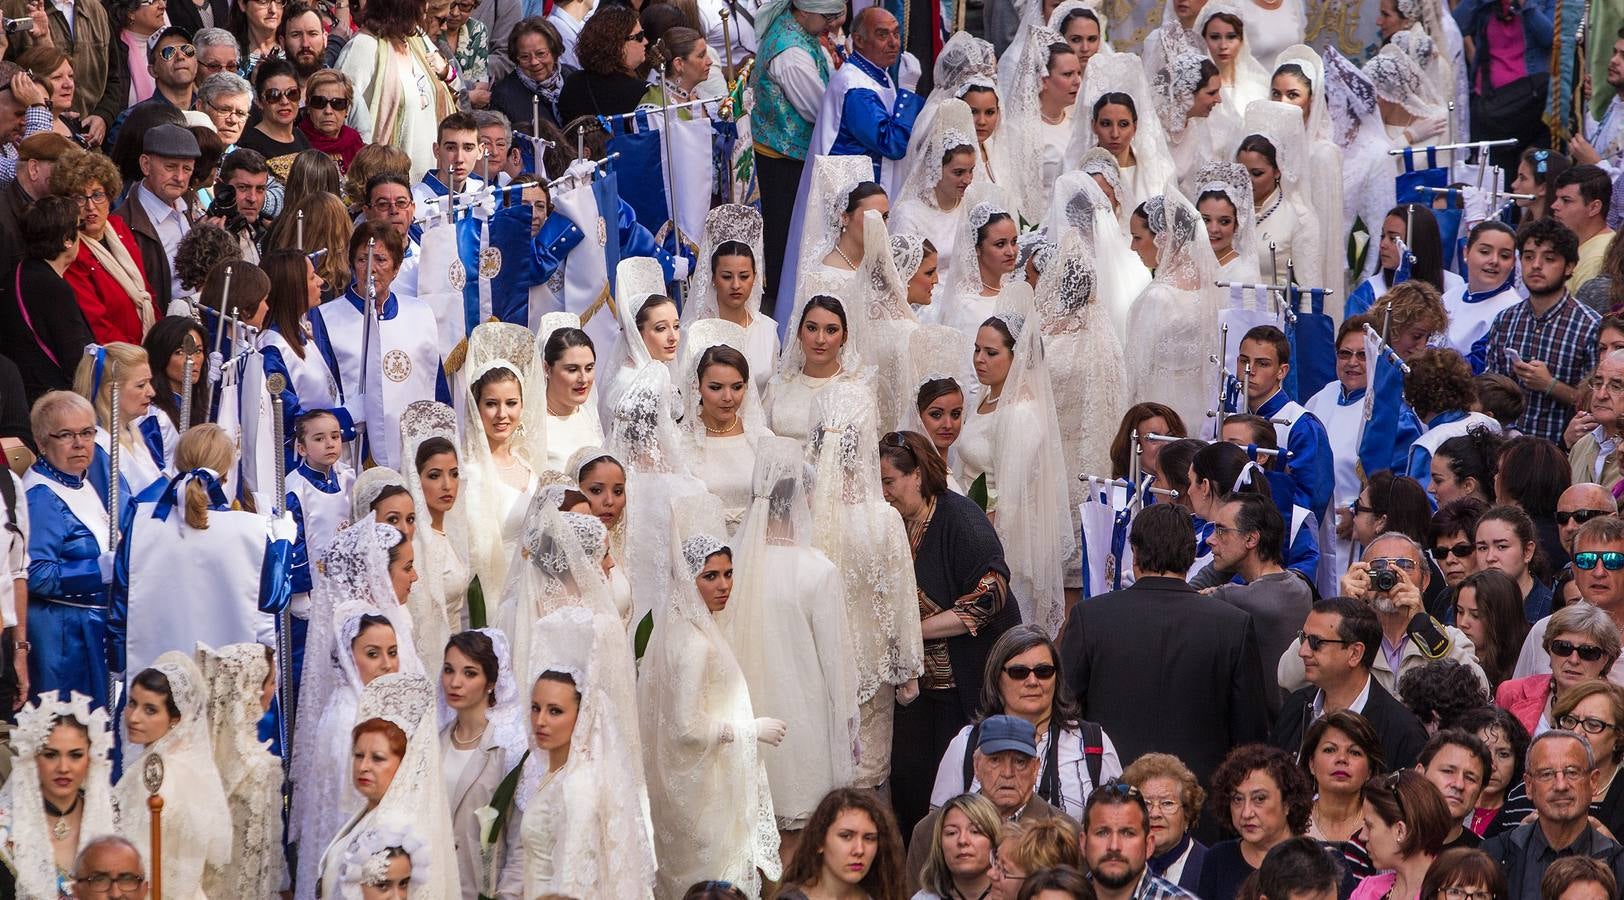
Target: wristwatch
[(22, 646)]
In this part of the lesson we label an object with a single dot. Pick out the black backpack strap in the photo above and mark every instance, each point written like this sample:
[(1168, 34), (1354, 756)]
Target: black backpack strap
[(969, 756), (1093, 750)]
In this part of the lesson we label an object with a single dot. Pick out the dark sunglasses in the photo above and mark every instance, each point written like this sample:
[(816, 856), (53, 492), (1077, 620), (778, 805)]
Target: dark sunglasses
[(640, 37), (1565, 649), (277, 95), (1611, 560), (1459, 551), (1579, 516), (1043, 671), (1315, 642), (338, 104), (168, 53)]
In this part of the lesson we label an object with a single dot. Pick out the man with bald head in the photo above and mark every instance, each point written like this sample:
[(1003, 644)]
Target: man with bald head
[(1391, 579), (1594, 456), (865, 112), (1598, 573), (1580, 503), (109, 867)]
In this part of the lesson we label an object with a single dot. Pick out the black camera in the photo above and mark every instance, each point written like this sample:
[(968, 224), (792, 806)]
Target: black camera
[(1383, 577), (225, 201)]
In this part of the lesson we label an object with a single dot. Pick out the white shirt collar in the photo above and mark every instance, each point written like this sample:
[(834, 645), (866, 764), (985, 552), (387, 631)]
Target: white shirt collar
[(1358, 704), (156, 209)]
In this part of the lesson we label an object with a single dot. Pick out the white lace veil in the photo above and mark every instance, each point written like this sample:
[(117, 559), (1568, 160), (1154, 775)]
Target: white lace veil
[(698, 337), (416, 796), (196, 818), (1153, 160), (368, 485), (1305, 58), (492, 346), (1357, 129), (1174, 86), (881, 299), (712, 811), (509, 718), (833, 180), (366, 861), (1022, 121), (22, 805), (250, 776), (727, 222), (952, 127), (936, 352), (1324, 176), (1429, 54), (864, 537), (1350, 100), (637, 278), (432, 618), (1081, 205), (1398, 78), (983, 201), (1232, 180), (1248, 71), (572, 469), (605, 841), (964, 61), (1282, 124), (234, 675)]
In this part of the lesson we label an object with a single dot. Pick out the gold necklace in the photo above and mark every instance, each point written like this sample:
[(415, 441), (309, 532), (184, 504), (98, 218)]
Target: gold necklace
[(719, 432)]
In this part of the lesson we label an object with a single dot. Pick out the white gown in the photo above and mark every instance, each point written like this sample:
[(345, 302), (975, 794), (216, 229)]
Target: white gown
[(567, 434)]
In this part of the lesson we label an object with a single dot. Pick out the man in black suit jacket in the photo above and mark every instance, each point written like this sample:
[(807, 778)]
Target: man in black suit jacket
[(1348, 637), (1158, 665)]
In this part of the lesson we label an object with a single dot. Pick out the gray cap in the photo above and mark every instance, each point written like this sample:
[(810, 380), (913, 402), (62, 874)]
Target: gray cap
[(174, 141)]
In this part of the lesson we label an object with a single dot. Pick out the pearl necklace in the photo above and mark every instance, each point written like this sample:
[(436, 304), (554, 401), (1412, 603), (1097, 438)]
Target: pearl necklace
[(844, 258), (459, 742), (719, 432), (1054, 121)]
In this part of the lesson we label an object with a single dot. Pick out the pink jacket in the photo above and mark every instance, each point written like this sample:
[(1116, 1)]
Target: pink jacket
[(1525, 698)]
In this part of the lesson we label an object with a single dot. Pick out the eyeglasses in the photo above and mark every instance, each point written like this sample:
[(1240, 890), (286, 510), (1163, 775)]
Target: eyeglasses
[(168, 53), (277, 95), (384, 204), (1459, 551), (1164, 806), (1612, 385), (1455, 892), (1611, 560), (1396, 562), (638, 36), (1361, 508), (101, 882), (1590, 724), (94, 199), (229, 113), (1568, 773), (1580, 516), (1346, 355), (86, 436), (1565, 649), (1226, 529), (1044, 672), (274, 4), (337, 104), (230, 65), (540, 56), (1315, 642)]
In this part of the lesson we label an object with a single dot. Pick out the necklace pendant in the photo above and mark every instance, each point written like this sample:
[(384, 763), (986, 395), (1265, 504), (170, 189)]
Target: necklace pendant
[(59, 829)]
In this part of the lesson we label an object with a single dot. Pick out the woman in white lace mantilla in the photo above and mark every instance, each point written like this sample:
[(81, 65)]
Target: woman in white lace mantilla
[(865, 538), (1289, 224), (816, 695), (1080, 23), (883, 299), (600, 480), (568, 361), (59, 796), (1443, 59), (931, 203), (396, 770), (987, 257), (727, 285), (941, 373), (585, 830), (650, 330), (385, 864), (712, 809), (1039, 115), (504, 446), (1411, 109), (1356, 130), (241, 684), (1299, 79), (1186, 92), (428, 440), (1115, 110), (723, 417), (1177, 29), (166, 715), (1013, 438), (966, 69), (1223, 197), (1177, 313), (1223, 34)]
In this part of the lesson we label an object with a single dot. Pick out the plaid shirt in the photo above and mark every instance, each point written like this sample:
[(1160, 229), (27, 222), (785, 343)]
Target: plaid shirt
[(1153, 887), (1564, 338)]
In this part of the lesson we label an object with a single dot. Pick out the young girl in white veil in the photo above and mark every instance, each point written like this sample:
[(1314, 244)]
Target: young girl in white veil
[(566, 362), (1356, 130), (386, 860), (1047, 74), (1223, 34), (414, 797), (166, 714), (1186, 92), (1177, 313), (941, 378), (1013, 438), (1299, 79), (1275, 154), (1223, 196), (1054, 16), (722, 418), (29, 837), (712, 810), (1413, 114), (504, 446), (931, 203), (786, 622), (727, 284), (650, 329), (966, 69), (428, 441), (240, 682), (1115, 110), (986, 260), (865, 538)]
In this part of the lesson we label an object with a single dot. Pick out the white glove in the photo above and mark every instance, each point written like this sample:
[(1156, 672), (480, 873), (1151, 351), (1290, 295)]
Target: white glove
[(1425, 129), (104, 564), (283, 528), (908, 71), (216, 363), (771, 731)]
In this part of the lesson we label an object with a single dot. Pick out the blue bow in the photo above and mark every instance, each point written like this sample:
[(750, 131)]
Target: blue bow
[(100, 353), (217, 495)]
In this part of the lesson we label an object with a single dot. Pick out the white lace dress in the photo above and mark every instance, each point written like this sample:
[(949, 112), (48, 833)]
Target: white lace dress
[(725, 465), (539, 834), (567, 434), (788, 403)]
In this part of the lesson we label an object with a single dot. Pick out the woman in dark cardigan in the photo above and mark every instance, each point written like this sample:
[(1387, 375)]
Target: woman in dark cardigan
[(42, 328), (964, 604), (612, 50)]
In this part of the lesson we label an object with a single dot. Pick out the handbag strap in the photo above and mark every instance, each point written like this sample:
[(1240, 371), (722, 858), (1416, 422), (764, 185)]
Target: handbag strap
[(23, 308)]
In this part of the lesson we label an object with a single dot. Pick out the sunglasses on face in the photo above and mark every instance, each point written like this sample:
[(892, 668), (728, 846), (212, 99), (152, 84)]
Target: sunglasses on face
[(337, 104), (1565, 649), (639, 37), (1611, 560), (168, 53), (227, 66), (277, 95), (1459, 551), (1579, 516), (1315, 642), (1043, 671)]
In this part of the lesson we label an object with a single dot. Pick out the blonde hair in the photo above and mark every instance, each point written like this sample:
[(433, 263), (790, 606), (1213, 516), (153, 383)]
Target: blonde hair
[(374, 159), (1042, 844), (327, 225), (983, 816), (205, 446), (119, 354)]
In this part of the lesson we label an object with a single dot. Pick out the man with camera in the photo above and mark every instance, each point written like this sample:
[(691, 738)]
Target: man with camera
[(239, 199), (1391, 579)]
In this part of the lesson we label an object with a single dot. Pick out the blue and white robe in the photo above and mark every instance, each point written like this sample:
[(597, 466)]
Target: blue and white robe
[(1310, 463), (1440, 428), (152, 460), (311, 386), (865, 113), (1342, 413), (320, 505), (405, 364), (67, 599)]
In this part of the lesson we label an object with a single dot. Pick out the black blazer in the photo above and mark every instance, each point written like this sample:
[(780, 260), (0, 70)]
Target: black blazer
[(184, 14), (1163, 668), (1401, 733)]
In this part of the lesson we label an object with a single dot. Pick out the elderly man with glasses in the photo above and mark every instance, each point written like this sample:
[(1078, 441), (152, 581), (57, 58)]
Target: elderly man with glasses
[(1391, 579), (109, 866)]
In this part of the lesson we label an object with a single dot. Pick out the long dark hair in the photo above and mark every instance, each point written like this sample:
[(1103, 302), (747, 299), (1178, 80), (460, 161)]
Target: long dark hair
[(1499, 605), (1425, 243), (161, 343), (883, 881), (287, 302)]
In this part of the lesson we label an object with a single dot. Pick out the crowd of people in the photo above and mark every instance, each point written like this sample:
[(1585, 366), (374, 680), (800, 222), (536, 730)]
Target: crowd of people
[(910, 541)]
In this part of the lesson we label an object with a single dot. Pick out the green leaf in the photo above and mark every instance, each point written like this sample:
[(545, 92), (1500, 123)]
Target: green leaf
[(644, 629), (502, 799), (978, 491), (476, 605)]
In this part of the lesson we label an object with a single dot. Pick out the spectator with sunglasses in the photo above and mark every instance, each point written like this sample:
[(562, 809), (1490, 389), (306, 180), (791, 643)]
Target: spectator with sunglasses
[(1022, 679), (1452, 535), (328, 95), (1488, 609), (1338, 643), (172, 62), (1580, 503), (1581, 642), (1598, 570), (276, 89)]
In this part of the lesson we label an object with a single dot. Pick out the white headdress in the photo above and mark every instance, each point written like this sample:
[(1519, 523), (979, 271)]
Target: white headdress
[(1122, 73), (368, 485), (953, 128), (22, 805), (965, 61), (937, 352), (1232, 180), (1023, 120), (366, 861), (1398, 78), (433, 619), (727, 222), (1174, 88), (833, 180), (698, 337)]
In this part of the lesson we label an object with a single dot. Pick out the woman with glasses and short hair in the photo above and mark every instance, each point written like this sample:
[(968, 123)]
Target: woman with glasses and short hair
[(107, 276), (1460, 873), (1173, 797), (1594, 710), (1021, 679), (1583, 643)]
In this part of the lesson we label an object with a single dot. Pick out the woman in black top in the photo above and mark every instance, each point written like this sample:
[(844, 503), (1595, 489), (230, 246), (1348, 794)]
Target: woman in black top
[(42, 328), (276, 90), (532, 89), (1265, 799), (612, 50)]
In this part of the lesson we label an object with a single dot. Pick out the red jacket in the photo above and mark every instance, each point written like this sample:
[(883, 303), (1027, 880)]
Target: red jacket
[(1525, 698), (109, 310)]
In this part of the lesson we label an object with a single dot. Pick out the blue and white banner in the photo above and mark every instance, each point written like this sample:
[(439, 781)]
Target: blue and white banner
[(643, 140)]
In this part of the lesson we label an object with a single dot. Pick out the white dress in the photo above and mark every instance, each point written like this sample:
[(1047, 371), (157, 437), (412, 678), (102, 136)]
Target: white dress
[(725, 465), (567, 434), (1281, 222), (761, 348), (788, 403), (976, 452)]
